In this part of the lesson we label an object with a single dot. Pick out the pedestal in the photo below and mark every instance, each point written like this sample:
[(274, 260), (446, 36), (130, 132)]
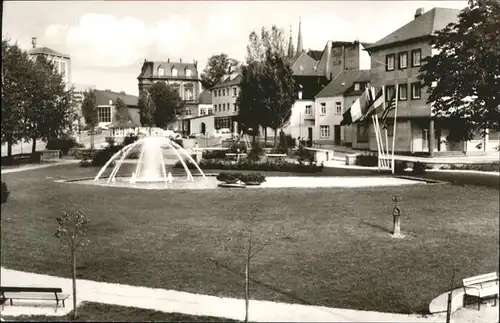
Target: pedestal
[(396, 227)]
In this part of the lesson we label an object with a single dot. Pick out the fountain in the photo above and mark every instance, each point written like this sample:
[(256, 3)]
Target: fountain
[(150, 167)]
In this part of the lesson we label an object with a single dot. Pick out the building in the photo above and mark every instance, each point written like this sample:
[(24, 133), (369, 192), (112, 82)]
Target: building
[(62, 61), (204, 121), (77, 95), (224, 95), (331, 102), (205, 106), (106, 107), (395, 62), (182, 77)]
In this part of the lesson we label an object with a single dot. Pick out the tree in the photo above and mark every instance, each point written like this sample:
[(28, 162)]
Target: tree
[(243, 233), (168, 104), (270, 40), (16, 72), (72, 230), (122, 115), (146, 110), (217, 66), (89, 112), (463, 78)]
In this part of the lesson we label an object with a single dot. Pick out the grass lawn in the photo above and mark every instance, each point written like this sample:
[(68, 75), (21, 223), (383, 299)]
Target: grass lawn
[(337, 250), (96, 312)]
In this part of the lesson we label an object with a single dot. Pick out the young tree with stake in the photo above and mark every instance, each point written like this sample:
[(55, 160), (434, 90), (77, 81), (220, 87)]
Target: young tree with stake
[(71, 230), (89, 112), (146, 110)]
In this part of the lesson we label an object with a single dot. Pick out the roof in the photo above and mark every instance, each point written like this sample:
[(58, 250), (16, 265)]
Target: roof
[(103, 97), (310, 85), (343, 83), (205, 97), (228, 80), (315, 54), (424, 25), (150, 70), (304, 65), (45, 51)]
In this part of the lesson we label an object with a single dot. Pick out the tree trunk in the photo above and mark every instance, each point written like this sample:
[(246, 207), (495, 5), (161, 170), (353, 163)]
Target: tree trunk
[(265, 136), (92, 141), (73, 267), (247, 288), (274, 144), (9, 146), (33, 146)]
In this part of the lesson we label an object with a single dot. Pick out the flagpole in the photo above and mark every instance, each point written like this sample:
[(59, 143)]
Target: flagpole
[(375, 118), (394, 128), (378, 141)]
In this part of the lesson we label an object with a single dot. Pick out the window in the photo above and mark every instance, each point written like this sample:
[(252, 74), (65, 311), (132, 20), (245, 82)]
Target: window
[(403, 92), (104, 114), (356, 86), (389, 62), (223, 92), (390, 128), (389, 92), (188, 112), (174, 72), (338, 107), (235, 108), (403, 60), (324, 131), (175, 87), (188, 72), (219, 92), (362, 132), (416, 89), (161, 71), (235, 91), (63, 69), (215, 93), (416, 55), (323, 108), (308, 109), (202, 112), (188, 94), (210, 111)]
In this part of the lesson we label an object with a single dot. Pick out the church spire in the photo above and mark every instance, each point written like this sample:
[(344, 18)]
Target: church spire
[(299, 40), (290, 45)]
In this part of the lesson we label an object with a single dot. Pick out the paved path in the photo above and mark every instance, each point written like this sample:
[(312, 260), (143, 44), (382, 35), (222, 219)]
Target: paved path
[(197, 304), (30, 167)]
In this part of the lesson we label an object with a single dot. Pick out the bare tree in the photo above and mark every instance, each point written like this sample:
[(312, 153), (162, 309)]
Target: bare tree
[(72, 229), (250, 245)]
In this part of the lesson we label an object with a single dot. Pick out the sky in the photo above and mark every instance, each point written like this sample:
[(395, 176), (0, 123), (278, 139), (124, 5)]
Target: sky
[(109, 40)]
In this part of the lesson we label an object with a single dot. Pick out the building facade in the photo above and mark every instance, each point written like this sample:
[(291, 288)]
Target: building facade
[(182, 77), (106, 107), (62, 61), (224, 96)]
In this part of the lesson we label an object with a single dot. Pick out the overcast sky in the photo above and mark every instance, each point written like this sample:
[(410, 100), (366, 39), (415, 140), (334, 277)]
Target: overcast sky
[(109, 40)]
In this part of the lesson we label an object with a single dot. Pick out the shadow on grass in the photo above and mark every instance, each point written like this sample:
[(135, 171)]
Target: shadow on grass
[(292, 296), (376, 226)]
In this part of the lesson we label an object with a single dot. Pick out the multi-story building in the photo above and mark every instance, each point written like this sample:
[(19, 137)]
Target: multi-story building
[(395, 62), (205, 106), (331, 102), (106, 107), (62, 61), (182, 77), (224, 95)]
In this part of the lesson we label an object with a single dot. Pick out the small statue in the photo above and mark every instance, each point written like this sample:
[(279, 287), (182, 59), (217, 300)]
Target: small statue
[(396, 211)]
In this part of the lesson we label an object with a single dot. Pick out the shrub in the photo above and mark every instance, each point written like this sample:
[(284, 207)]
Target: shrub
[(129, 139), (245, 178), (419, 168), (214, 154), (237, 145), (286, 141), (110, 141), (102, 156), (228, 177), (279, 150), (304, 154), (5, 192), (256, 153), (63, 144), (86, 162), (245, 164), (368, 160), (179, 142)]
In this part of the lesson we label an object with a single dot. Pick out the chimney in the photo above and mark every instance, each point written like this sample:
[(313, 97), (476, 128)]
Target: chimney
[(33, 42), (328, 59), (181, 60), (168, 60), (419, 12)]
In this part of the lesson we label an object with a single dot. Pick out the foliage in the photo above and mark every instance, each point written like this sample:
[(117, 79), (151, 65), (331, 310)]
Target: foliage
[(464, 73), (256, 153), (146, 109), (63, 144), (245, 178), (368, 160), (214, 154), (122, 115), (129, 139), (72, 230), (286, 141), (246, 164), (86, 162), (484, 167), (400, 166), (168, 104), (110, 141), (89, 112), (419, 168), (217, 66), (102, 156), (237, 146), (5, 193), (304, 154), (179, 142), (269, 40)]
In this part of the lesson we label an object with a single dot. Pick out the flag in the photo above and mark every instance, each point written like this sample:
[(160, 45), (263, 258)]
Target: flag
[(375, 103), (390, 106)]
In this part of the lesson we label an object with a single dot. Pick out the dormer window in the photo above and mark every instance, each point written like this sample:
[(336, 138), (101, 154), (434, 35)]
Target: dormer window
[(161, 71), (356, 86), (174, 72), (188, 72), (301, 67)]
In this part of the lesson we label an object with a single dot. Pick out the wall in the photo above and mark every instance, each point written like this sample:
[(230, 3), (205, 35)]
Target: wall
[(331, 118), (299, 121), (209, 124), (408, 108), (205, 108), (228, 99)]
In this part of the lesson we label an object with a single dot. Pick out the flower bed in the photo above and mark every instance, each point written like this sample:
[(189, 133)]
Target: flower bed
[(248, 179), (277, 165)]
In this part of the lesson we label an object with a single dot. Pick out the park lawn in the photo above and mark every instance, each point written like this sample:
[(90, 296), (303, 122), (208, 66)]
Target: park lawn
[(336, 250), (97, 312)]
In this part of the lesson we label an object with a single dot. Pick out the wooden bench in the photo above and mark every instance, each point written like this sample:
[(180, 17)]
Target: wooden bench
[(277, 156), (50, 154), (235, 155), (32, 293), (481, 286)]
